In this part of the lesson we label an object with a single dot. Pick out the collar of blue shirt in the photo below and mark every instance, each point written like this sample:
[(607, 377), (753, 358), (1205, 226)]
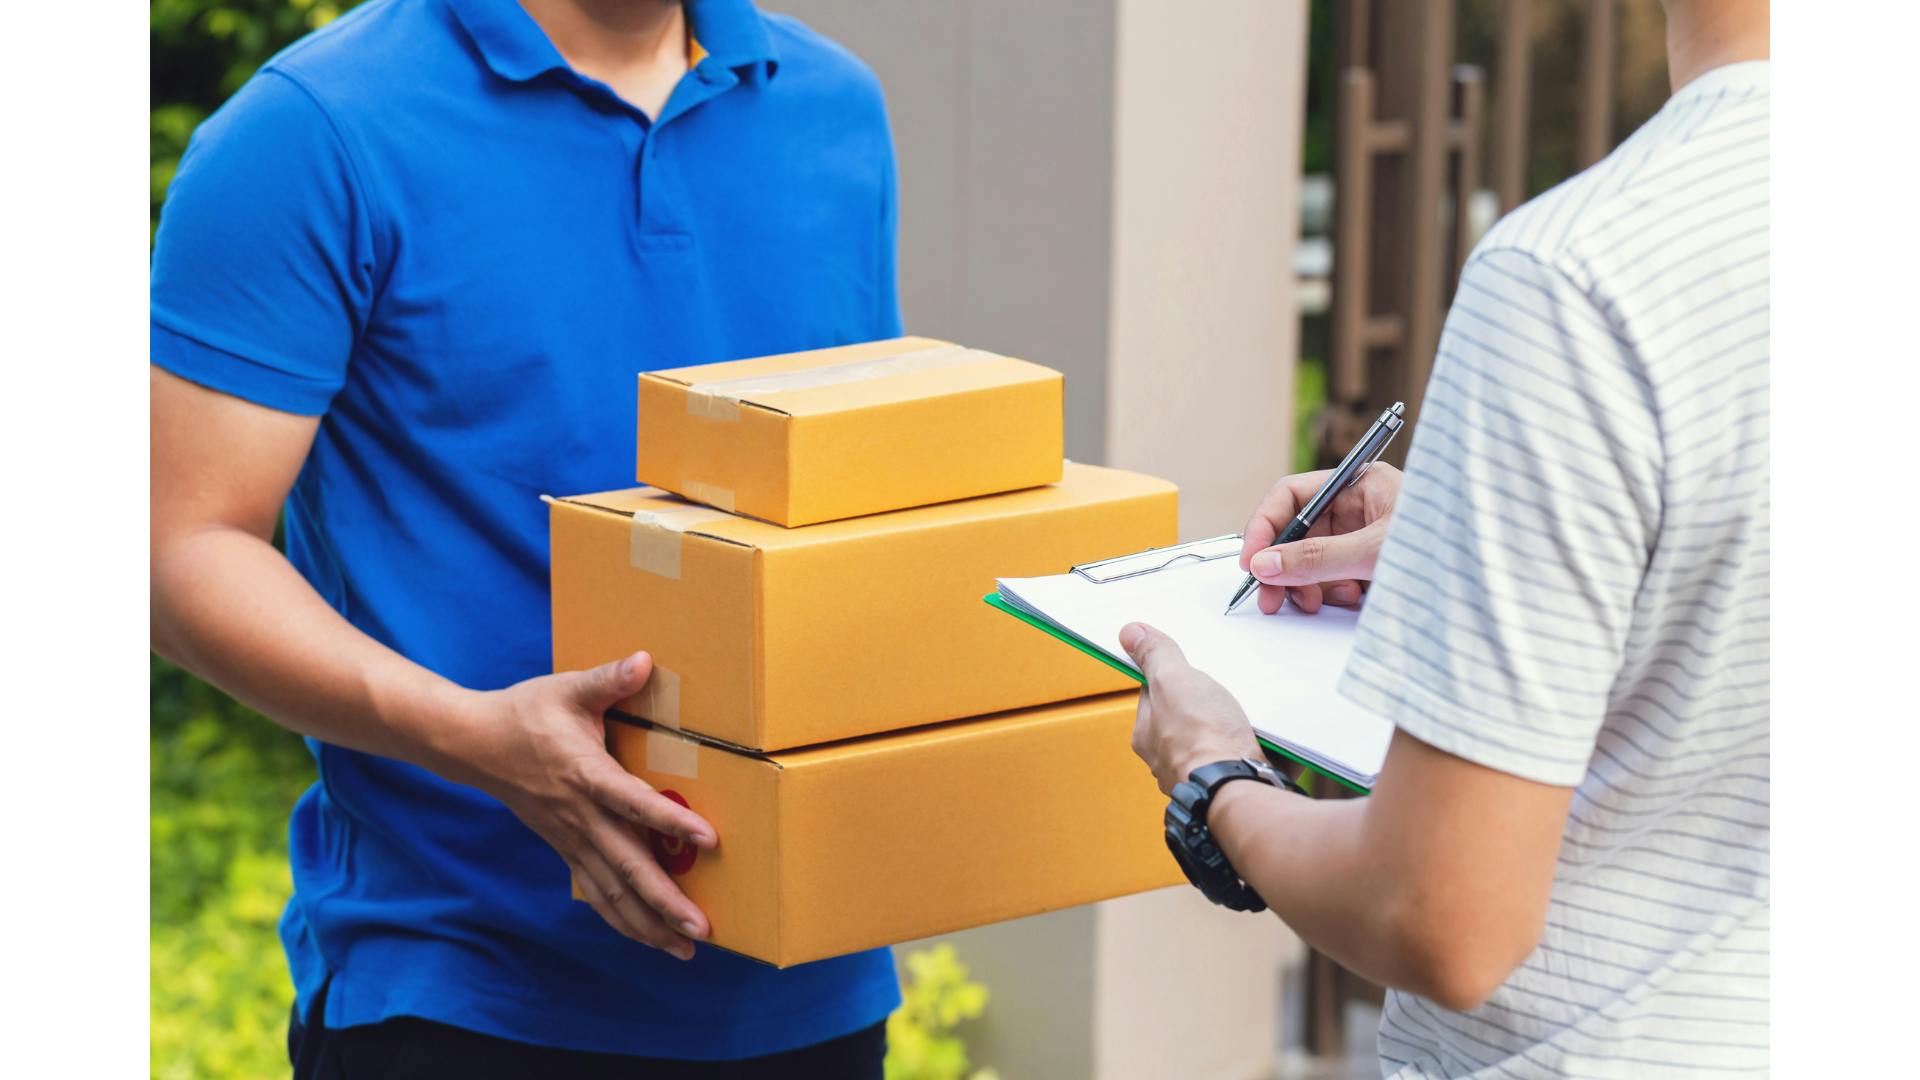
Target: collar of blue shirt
[(731, 31)]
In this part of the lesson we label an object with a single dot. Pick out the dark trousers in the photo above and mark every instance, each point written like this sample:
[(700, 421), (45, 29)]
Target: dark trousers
[(407, 1048)]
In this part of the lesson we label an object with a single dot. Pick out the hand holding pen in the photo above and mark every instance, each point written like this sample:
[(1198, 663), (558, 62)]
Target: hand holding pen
[(1284, 552)]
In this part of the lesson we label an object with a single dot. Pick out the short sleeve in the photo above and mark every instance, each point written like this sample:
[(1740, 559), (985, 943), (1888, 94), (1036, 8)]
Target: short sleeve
[(263, 265), (888, 272), (1497, 622)]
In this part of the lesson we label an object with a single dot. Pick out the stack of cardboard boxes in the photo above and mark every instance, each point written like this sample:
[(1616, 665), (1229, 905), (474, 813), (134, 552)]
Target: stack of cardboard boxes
[(884, 756)]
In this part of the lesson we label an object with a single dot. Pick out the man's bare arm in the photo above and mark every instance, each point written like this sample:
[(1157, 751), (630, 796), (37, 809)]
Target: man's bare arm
[(228, 606), (1437, 883)]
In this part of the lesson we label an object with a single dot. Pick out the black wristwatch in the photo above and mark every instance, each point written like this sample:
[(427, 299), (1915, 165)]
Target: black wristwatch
[(1192, 844)]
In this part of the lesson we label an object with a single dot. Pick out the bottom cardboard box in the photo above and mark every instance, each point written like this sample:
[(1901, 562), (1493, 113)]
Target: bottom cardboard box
[(828, 850)]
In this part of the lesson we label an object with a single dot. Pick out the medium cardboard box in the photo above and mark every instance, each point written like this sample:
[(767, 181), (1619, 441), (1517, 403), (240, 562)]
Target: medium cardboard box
[(831, 849), (861, 429), (769, 638)]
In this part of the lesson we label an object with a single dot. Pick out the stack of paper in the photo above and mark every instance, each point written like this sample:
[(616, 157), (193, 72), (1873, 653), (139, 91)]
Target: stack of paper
[(1282, 668)]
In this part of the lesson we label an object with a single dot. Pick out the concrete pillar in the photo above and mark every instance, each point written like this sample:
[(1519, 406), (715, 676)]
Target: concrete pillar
[(1203, 318), (1110, 187)]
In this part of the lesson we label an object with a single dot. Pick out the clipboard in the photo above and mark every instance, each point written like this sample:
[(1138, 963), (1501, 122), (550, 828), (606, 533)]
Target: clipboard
[(1132, 568)]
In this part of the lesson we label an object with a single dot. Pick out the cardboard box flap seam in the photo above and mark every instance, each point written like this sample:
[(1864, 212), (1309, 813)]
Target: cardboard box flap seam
[(721, 399), (776, 363), (582, 501), (911, 519), (641, 723), (742, 390)]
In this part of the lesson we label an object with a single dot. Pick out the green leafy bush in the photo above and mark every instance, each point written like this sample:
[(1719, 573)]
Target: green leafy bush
[(201, 52), (222, 782), (938, 997)]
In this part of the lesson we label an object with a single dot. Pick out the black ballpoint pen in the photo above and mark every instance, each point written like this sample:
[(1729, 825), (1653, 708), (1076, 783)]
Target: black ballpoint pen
[(1351, 469)]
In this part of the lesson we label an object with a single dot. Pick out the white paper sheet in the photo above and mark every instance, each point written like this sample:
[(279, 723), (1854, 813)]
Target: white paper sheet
[(1282, 668)]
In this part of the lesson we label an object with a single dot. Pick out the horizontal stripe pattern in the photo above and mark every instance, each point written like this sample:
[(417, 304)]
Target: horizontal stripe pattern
[(1575, 590)]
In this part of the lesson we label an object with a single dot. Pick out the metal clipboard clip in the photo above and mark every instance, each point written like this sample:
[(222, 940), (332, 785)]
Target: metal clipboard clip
[(1121, 567)]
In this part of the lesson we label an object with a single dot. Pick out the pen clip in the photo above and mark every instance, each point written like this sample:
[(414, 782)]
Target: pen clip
[(1121, 567), (1391, 421)]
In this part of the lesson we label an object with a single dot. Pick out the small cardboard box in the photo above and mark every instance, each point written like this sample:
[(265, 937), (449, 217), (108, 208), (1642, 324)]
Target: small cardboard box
[(769, 638), (861, 429), (828, 850)]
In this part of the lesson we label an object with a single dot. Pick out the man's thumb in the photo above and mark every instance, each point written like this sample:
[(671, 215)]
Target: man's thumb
[(1319, 558), (1147, 646), (609, 684)]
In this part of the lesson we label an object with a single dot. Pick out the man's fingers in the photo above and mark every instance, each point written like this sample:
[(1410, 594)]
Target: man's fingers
[(1271, 598), (1257, 536), (1341, 593), (628, 797), (1306, 597), (620, 845), (603, 890), (1149, 648), (1281, 502), (1320, 558), (599, 689)]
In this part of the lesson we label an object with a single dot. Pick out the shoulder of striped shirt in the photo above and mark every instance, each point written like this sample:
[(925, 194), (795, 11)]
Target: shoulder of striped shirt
[(1559, 228)]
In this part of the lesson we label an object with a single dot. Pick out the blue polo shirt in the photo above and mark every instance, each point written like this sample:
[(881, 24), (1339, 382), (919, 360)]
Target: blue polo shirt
[(422, 226)]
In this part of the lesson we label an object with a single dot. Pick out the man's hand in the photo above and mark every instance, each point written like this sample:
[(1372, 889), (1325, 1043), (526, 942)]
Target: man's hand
[(1186, 720), (540, 748), (1337, 557)]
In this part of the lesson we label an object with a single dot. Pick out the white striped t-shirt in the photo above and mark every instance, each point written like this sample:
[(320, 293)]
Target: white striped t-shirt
[(1574, 590)]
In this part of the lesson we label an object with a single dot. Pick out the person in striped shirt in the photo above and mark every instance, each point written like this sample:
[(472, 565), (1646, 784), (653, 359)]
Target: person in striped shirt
[(1564, 867)]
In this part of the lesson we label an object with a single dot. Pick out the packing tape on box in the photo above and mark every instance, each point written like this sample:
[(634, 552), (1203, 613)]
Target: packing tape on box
[(660, 698), (720, 399), (672, 753), (653, 538), (712, 494)]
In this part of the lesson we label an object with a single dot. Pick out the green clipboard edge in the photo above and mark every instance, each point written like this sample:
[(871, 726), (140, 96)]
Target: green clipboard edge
[(994, 600)]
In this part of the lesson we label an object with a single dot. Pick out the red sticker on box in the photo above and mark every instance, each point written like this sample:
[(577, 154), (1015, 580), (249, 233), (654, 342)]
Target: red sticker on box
[(675, 854)]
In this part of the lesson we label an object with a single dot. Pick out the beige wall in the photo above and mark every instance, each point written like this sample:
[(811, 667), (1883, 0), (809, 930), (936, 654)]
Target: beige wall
[(1002, 118), (1109, 187), (1203, 322)]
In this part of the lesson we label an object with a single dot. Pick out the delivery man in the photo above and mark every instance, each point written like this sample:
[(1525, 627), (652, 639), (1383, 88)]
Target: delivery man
[(402, 285), (1563, 869)]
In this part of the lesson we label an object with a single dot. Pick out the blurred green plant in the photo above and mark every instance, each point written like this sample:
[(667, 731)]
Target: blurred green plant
[(938, 996), (201, 51), (223, 778), (222, 782), (1309, 399)]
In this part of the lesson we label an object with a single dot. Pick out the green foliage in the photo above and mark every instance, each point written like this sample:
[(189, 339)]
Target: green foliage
[(223, 778), (1309, 398), (921, 1043), (222, 782), (201, 52)]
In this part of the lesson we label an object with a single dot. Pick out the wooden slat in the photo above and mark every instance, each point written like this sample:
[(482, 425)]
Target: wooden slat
[(1511, 97), (1390, 136), (1469, 91), (1594, 135), (1383, 331), (1419, 36), (1353, 214)]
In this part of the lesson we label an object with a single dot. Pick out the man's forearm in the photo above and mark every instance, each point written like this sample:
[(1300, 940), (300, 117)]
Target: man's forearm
[(1307, 859), (230, 608)]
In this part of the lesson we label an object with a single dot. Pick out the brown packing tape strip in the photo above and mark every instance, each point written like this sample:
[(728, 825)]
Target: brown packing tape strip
[(720, 399), (711, 494), (660, 698), (672, 754), (654, 536)]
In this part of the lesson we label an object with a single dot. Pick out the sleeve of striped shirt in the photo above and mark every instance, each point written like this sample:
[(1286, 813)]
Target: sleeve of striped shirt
[(1497, 620)]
